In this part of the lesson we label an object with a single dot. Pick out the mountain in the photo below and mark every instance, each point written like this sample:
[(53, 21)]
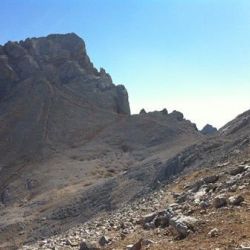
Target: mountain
[(70, 151), (208, 129), (52, 96), (67, 138)]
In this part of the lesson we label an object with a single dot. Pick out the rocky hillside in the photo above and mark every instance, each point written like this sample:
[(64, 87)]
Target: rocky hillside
[(69, 146), (75, 163), (206, 208)]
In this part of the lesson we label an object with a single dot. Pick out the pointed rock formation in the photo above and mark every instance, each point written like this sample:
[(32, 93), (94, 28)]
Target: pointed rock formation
[(208, 130)]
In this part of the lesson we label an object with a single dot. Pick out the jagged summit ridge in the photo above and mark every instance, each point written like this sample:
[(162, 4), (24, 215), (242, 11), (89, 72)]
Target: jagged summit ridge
[(59, 59)]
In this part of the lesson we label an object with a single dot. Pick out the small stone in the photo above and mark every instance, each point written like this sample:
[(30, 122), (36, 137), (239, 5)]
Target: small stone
[(220, 201), (146, 242), (211, 179), (232, 189), (70, 243), (162, 221), (136, 246), (242, 187), (150, 225), (204, 204), (104, 240), (237, 170), (236, 200), (213, 233), (88, 246), (148, 218)]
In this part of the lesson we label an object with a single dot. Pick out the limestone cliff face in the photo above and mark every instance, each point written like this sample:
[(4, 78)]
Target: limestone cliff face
[(51, 95)]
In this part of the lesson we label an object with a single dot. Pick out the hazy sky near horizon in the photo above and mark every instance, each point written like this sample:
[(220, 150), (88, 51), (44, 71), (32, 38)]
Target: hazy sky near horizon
[(192, 56)]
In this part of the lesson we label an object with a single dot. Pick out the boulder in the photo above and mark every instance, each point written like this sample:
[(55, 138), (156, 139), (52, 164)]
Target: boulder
[(104, 240), (211, 179), (181, 228), (136, 246), (162, 221), (183, 225), (146, 242), (237, 170), (236, 200), (219, 201), (148, 218), (200, 196), (88, 246), (213, 233), (71, 243)]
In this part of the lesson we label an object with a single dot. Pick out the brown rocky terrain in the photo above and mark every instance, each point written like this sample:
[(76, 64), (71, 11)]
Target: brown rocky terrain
[(76, 167), (205, 209)]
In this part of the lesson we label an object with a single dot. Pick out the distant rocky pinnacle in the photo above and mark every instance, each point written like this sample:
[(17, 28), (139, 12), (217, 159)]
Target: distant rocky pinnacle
[(48, 86), (208, 130)]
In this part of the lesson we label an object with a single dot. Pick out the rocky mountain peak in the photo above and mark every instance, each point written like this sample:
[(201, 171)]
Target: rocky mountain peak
[(52, 86), (208, 130), (47, 55)]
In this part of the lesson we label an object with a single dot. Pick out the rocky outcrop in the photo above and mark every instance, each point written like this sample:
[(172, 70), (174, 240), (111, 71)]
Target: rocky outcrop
[(142, 112), (51, 94), (208, 130), (177, 115)]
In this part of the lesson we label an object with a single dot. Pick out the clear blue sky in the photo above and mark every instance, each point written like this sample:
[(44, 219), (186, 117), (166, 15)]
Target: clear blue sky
[(189, 55)]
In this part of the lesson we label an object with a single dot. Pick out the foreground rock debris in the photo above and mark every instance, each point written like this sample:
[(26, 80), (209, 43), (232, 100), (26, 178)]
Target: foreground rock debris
[(161, 220)]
